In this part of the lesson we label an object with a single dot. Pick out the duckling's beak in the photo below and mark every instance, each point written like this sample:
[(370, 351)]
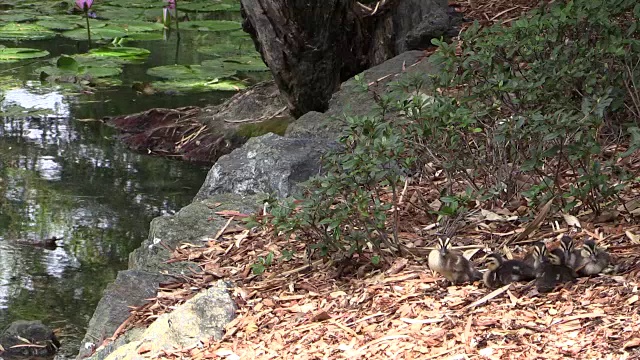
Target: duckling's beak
[(443, 251)]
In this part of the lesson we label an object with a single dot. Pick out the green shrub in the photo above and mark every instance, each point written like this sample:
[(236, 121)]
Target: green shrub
[(550, 92), (535, 110), (342, 210)]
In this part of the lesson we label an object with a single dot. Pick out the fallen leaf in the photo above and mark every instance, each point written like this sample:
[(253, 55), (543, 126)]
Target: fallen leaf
[(571, 220), (633, 237), (320, 316), (635, 342), (251, 328), (397, 266), (144, 348)]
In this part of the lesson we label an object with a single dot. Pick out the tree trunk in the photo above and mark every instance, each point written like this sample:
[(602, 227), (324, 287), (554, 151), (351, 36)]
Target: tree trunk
[(311, 46)]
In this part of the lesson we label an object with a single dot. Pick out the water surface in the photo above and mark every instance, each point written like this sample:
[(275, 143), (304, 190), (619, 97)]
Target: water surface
[(63, 174)]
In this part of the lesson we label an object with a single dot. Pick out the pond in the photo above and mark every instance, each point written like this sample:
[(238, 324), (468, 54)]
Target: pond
[(63, 173)]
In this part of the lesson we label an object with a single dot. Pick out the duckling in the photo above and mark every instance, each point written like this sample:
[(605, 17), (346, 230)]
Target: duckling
[(501, 272), (566, 251), (552, 272), (535, 256), (592, 259), (451, 264)]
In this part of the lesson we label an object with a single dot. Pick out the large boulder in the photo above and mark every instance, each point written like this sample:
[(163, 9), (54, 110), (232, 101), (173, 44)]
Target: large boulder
[(148, 267), (28, 339), (416, 22), (194, 223), (269, 164), (199, 319), (353, 100), (130, 288)]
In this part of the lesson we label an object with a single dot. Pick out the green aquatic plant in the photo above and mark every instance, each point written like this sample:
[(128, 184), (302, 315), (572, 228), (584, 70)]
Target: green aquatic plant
[(169, 11), (69, 70), (17, 54), (19, 31), (124, 53), (213, 25), (84, 5)]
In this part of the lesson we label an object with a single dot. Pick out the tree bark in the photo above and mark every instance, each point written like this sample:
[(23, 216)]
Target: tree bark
[(311, 46)]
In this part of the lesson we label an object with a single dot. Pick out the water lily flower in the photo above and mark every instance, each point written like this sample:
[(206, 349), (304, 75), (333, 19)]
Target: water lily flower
[(84, 4), (169, 11)]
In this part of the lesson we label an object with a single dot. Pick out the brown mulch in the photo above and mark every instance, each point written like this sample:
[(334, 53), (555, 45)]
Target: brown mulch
[(311, 309), (297, 310), (489, 12)]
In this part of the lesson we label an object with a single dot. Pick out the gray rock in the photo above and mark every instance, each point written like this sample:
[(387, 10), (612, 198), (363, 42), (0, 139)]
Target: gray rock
[(200, 318), (40, 336), (130, 288), (269, 164), (193, 223), (352, 100), (416, 22)]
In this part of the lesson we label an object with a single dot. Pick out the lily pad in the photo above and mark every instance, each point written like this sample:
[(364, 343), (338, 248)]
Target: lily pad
[(14, 31), (120, 13), (190, 72), (17, 54), (138, 3), (152, 14), (104, 33), (211, 25), (238, 63), (196, 85), (67, 67), (137, 26), (18, 17), (209, 6), (57, 25), (222, 50), (245, 63), (123, 52), (144, 36)]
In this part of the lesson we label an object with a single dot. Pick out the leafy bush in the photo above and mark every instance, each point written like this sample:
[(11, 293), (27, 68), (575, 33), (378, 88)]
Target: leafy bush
[(343, 210), (550, 92), (544, 108)]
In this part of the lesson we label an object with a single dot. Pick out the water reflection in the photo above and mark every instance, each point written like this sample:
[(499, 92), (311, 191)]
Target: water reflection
[(71, 180)]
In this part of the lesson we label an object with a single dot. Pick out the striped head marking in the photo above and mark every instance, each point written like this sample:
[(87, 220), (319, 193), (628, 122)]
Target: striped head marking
[(540, 250), (443, 245), (554, 259), (493, 261), (566, 244), (589, 249)]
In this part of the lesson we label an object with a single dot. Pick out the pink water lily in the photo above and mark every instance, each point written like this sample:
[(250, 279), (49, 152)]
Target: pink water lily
[(171, 4), (84, 4)]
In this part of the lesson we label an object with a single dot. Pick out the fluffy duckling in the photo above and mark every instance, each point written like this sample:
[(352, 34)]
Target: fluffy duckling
[(451, 264), (501, 272), (592, 259), (566, 252), (534, 258), (552, 272)]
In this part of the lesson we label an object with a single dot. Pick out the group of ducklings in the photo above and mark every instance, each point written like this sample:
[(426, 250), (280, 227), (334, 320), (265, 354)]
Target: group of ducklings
[(547, 268)]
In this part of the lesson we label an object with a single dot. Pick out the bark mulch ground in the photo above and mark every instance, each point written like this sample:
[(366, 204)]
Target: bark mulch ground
[(304, 308)]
